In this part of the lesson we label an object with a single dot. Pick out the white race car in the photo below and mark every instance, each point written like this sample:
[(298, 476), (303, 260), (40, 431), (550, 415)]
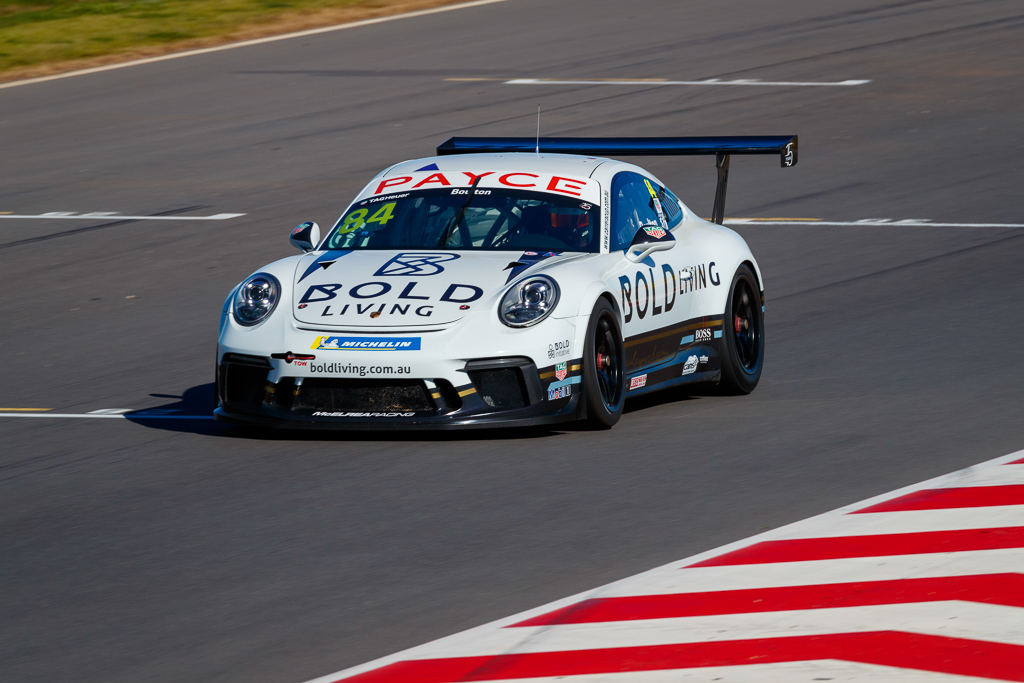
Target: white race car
[(505, 281)]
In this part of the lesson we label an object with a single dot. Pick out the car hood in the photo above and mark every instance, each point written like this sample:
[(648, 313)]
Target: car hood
[(381, 289)]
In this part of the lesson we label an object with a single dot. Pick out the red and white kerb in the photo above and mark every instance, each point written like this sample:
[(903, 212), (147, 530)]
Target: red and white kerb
[(923, 584)]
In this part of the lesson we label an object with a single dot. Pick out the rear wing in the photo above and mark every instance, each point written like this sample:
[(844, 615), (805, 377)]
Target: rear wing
[(721, 146)]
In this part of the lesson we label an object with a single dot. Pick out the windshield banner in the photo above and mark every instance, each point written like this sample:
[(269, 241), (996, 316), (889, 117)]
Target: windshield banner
[(566, 186)]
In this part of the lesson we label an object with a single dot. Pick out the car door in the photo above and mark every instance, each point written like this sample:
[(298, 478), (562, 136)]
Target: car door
[(652, 292)]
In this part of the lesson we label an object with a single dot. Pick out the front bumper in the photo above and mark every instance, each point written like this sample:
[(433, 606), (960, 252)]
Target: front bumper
[(477, 373), (500, 392)]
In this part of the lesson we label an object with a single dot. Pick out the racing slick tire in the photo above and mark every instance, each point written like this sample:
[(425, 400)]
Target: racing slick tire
[(742, 348), (604, 367)]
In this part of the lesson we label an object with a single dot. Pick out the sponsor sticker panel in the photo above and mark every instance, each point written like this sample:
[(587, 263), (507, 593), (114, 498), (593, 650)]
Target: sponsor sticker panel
[(329, 343), (321, 413), (560, 392), (338, 369)]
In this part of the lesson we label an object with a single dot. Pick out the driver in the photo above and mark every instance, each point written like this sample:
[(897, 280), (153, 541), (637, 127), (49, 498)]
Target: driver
[(571, 225)]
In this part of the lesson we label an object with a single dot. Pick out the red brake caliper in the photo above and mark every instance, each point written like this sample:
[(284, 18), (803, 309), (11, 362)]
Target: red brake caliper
[(740, 324), (603, 361)]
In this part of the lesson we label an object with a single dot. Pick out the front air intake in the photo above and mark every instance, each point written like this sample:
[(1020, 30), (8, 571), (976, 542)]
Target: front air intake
[(361, 395), (500, 388)]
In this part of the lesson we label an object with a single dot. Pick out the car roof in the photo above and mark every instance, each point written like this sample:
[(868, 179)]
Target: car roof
[(570, 164)]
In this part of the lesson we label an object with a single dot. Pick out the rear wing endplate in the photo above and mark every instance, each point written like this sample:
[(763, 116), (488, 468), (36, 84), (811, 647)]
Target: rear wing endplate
[(721, 146)]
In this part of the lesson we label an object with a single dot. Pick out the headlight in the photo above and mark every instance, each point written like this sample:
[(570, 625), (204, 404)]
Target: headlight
[(529, 302), (256, 298)]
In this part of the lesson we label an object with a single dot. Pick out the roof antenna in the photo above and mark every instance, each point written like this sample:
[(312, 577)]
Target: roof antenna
[(538, 129)]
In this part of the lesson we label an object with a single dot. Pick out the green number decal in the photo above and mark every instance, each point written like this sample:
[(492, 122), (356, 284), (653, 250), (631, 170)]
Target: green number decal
[(383, 214), (353, 221)]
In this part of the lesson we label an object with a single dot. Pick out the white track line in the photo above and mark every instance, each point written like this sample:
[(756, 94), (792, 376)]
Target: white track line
[(66, 215), (709, 81), (248, 43)]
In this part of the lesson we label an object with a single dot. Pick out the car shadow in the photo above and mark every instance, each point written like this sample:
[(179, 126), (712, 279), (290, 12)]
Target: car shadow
[(191, 413), (662, 398)]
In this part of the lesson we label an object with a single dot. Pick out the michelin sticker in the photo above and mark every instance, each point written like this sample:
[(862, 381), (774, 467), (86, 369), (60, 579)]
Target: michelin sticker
[(366, 344)]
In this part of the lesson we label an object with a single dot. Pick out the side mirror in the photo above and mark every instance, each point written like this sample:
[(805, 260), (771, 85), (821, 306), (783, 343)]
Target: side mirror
[(305, 237), (647, 240)]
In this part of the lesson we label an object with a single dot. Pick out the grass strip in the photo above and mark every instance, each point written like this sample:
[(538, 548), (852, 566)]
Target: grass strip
[(41, 37)]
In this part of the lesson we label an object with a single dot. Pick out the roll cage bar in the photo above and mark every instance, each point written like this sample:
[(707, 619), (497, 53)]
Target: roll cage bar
[(721, 146)]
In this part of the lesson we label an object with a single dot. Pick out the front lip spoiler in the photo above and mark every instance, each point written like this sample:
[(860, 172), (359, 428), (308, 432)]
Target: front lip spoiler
[(568, 413)]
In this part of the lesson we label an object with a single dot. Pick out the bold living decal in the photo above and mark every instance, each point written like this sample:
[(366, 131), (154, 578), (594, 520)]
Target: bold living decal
[(643, 290), (366, 343), (367, 296), (558, 349)]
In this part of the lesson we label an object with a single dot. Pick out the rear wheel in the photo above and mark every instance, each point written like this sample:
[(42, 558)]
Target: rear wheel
[(604, 367), (742, 335)]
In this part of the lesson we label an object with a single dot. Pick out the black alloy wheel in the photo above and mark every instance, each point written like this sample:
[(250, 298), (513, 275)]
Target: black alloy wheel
[(604, 364), (743, 334)]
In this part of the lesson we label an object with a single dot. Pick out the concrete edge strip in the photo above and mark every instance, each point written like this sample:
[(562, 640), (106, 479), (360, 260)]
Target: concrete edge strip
[(787, 531), (248, 43)]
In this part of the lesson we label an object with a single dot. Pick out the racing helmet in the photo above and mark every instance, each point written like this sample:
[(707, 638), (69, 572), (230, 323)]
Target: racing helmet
[(570, 224)]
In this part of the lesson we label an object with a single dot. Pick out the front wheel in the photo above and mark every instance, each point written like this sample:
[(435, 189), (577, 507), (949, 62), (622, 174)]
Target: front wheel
[(742, 335), (604, 367)]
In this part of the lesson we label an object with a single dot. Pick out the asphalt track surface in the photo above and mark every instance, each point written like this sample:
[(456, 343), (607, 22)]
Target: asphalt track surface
[(170, 550)]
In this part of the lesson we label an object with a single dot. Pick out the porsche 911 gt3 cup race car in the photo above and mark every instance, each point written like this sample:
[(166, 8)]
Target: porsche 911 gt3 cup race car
[(504, 281)]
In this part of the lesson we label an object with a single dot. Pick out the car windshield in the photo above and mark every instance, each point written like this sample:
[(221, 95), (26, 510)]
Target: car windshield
[(464, 218)]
